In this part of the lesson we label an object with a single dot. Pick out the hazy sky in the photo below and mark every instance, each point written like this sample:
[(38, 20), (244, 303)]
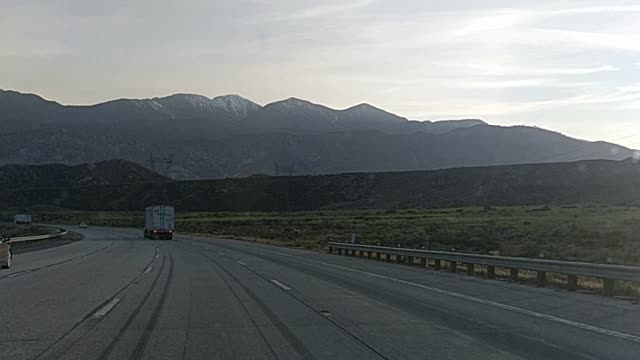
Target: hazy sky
[(571, 66)]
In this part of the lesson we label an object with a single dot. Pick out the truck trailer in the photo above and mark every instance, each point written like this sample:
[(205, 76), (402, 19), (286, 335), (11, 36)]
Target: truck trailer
[(159, 222), (22, 219)]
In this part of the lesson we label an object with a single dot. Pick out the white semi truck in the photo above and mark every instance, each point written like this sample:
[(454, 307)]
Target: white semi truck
[(22, 219), (159, 222)]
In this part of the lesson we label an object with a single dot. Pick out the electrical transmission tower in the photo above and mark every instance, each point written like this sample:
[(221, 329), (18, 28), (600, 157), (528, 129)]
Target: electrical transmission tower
[(283, 169), (161, 164)]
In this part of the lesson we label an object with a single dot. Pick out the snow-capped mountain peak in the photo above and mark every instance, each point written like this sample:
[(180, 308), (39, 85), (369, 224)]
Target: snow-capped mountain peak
[(197, 101), (235, 105)]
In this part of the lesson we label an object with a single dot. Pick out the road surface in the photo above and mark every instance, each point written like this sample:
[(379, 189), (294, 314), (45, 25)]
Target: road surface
[(114, 295)]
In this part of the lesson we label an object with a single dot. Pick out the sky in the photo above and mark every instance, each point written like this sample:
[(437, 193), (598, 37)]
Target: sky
[(567, 65)]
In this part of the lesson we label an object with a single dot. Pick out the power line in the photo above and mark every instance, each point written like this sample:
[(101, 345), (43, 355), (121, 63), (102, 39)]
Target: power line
[(156, 160)]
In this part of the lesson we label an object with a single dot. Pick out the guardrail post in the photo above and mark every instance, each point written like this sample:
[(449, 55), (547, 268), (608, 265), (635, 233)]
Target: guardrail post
[(453, 266), (398, 259), (423, 262), (378, 256), (410, 260), (542, 278), (437, 264), (607, 287), (387, 257), (491, 272), (513, 274), (471, 269), (572, 282), (330, 250), (368, 255)]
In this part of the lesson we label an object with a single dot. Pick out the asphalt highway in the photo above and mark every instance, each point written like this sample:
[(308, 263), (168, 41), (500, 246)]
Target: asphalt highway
[(114, 295)]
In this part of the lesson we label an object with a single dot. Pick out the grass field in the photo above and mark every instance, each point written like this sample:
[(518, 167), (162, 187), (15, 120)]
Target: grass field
[(591, 233)]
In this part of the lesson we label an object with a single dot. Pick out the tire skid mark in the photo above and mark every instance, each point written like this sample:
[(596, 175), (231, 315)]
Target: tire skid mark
[(107, 351), (151, 325), (30, 271), (214, 267), (308, 305), (83, 322), (291, 338)]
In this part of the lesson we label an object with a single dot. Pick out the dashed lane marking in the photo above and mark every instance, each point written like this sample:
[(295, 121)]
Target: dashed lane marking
[(106, 308), (280, 285)]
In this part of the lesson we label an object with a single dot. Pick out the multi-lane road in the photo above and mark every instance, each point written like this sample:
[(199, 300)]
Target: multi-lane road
[(114, 295)]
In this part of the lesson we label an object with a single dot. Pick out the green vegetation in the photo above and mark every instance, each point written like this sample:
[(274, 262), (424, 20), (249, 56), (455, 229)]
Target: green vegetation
[(587, 233)]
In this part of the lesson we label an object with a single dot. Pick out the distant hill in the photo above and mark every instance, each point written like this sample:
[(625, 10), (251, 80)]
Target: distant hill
[(593, 181), (58, 175), (230, 136)]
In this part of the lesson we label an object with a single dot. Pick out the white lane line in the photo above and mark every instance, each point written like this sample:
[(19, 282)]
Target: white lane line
[(280, 285), (279, 253), (241, 263), (148, 270), (105, 309), (515, 309), (220, 253)]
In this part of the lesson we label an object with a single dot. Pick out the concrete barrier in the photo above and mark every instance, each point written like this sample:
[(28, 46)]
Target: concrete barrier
[(25, 240)]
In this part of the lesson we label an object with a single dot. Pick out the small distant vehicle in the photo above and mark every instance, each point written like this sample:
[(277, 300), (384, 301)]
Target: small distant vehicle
[(5, 253), (82, 226), (159, 222), (22, 219)]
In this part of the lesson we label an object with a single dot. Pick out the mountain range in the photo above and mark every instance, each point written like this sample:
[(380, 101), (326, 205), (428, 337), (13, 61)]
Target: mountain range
[(230, 136)]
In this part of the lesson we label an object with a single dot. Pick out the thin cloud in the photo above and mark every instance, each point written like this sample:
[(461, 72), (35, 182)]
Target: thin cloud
[(576, 39), (596, 9), (325, 10), (513, 70), (500, 84)]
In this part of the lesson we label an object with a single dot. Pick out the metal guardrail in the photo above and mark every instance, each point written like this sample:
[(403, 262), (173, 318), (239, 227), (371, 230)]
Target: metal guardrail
[(24, 240), (607, 272)]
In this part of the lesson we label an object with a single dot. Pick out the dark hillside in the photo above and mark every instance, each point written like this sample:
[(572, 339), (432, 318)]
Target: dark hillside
[(596, 181), (59, 175)]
